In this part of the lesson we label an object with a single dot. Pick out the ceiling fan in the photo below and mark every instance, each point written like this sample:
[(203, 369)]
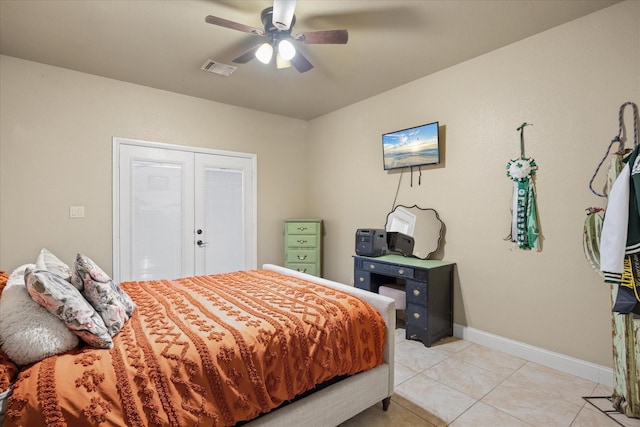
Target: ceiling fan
[(278, 23)]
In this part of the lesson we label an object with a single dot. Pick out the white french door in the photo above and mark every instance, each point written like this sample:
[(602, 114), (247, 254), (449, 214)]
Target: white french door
[(181, 212), (223, 214)]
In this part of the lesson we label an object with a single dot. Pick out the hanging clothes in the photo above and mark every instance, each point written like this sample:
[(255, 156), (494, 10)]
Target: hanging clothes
[(621, 269), (620, 239)]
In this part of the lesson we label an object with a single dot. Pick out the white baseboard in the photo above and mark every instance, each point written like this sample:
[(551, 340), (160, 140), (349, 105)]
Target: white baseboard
[(561, 362)]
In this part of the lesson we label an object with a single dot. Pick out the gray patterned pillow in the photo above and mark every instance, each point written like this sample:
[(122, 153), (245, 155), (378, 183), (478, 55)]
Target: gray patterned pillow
[(62, 299)]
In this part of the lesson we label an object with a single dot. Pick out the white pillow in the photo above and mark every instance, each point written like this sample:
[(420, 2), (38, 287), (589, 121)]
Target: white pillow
[(28, 332)]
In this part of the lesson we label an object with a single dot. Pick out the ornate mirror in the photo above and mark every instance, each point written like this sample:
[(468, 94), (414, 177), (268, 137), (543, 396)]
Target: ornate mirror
[(423, 224)]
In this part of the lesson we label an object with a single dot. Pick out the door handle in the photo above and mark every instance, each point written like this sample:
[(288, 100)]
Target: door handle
[(201, 243)]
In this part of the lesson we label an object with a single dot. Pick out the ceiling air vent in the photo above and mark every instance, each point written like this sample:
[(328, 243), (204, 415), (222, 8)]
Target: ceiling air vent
[(218, 68)]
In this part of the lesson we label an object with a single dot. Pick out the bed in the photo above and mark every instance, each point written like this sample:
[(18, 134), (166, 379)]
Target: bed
[(170, 364)]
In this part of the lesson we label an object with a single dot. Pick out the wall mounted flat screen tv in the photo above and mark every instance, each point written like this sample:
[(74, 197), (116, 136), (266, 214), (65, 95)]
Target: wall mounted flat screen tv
[(415, 146)]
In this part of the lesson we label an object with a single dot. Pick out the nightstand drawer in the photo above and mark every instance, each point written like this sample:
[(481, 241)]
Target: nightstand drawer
[(416, 292), (302, 228), (302, 241), (308, 268), (388, 269), (302, 255)]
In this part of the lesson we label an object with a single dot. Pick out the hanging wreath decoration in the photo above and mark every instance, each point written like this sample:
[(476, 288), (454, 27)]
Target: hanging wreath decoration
[(521, 168), (525, 231)]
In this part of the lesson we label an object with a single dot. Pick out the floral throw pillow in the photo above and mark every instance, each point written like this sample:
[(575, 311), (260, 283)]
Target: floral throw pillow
[(60, 298), (113, 304), (48, 261)]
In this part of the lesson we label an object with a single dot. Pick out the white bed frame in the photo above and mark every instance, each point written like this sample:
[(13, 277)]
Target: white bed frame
[(342, 400), (347, 398)]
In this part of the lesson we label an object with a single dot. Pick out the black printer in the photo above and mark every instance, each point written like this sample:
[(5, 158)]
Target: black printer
[(375, 242)]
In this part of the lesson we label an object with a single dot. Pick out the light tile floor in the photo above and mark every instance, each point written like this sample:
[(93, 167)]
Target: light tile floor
[(460, 384)]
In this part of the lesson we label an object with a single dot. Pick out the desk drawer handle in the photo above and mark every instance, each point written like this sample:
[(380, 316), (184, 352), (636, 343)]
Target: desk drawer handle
[(302, 257), (301, 228), (416, 292), (401, 271), (361, 279), (372, 266), (304, 270), (416, 315), (301, 241)]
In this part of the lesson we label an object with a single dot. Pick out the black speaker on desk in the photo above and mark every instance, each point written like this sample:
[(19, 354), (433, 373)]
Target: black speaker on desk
[(371, 242)]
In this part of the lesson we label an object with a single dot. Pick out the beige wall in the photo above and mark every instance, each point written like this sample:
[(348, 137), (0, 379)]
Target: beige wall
[(55, 151), (569, 82)]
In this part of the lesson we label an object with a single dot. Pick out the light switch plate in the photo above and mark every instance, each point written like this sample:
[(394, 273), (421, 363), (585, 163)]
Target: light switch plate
[(76, 211)]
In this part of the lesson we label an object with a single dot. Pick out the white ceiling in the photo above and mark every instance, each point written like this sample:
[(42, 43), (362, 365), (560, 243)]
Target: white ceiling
[(163, 43)]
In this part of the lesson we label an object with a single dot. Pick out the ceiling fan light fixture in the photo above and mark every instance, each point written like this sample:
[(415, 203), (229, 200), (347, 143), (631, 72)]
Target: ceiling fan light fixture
[(281, 62), (286, 50), (264, 53)]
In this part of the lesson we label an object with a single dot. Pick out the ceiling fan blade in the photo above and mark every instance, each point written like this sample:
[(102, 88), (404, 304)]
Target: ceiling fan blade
[(233, 25), (248, 55), (301, 63), (323, 37), (283, 13)]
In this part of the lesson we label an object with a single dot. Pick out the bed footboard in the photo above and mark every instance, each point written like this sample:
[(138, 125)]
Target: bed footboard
[(352, 395)]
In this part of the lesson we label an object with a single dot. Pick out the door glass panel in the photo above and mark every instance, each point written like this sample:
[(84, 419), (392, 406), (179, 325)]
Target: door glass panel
[(224, 229), (156, 220)]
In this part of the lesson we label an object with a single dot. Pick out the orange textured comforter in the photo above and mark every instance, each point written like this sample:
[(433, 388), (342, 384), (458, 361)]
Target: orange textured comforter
[(205, 351)]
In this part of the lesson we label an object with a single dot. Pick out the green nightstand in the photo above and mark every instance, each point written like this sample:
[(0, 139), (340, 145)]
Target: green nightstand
[(303, 245)]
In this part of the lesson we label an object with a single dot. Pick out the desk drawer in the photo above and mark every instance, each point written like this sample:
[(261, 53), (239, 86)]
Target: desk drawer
[(362, 280), (416, 292), (388, 269), (417, 316)]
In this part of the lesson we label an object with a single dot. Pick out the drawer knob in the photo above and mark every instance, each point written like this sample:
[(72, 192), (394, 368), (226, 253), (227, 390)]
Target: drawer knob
[(301, 241), (416, 315), (401, 271), (372, 266), (361, 279), (416, 292), (302, 257), (302, 228)]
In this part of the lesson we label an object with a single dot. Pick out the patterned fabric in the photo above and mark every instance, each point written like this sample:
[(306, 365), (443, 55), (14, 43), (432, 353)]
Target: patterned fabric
[(112, 304), (4, 277), (62, 299), (8, 371), (205, 351), (48, 261)]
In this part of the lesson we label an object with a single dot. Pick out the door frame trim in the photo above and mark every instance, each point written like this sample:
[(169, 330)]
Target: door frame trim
[(117, 142)]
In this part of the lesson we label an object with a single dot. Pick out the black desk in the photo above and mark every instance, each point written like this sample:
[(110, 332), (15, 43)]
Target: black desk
[(428, 286)]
